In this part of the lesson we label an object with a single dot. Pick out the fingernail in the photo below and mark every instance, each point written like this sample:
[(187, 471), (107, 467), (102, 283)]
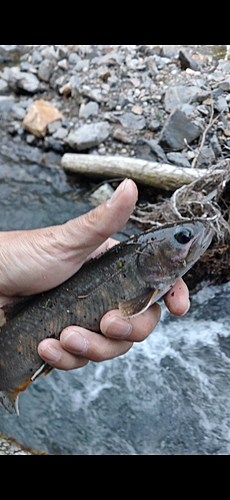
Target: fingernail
[(51, 354), (118, 328), (117, 193), (76, 343)]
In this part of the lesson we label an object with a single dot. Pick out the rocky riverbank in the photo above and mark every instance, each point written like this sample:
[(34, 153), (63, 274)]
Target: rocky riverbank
[(158, 103)]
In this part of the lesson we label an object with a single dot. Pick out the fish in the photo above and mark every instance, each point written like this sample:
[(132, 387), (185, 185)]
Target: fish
[(130, 276)]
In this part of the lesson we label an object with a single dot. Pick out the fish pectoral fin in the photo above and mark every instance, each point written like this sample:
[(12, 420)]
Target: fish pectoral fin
[(133, 307), (12, 399)]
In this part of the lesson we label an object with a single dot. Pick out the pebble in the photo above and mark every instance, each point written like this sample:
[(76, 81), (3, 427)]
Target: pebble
[(132, 121), (178, 159), (88, 136), (89, 109)]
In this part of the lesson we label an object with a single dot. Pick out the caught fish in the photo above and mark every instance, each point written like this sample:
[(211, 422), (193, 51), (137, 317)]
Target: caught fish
[(130, 276)]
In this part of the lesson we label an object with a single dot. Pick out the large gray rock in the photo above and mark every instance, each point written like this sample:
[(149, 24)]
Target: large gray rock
[(177, 128), (22, 81), (187, 61), (88, 136)]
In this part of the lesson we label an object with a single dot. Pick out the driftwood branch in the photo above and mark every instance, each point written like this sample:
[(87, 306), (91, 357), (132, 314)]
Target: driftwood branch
[(159, 175)]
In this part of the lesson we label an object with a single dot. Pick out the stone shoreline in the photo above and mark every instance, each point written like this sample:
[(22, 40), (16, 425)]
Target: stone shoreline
[(148, 102)]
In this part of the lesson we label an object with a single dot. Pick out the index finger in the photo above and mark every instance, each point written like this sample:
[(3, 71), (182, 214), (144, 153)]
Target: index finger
[(177, 298)]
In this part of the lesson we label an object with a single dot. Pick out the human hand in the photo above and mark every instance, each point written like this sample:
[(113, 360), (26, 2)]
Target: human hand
[(38, 260)]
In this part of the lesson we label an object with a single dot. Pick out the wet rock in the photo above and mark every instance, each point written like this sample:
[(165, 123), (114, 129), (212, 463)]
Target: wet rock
[(177, 128), (89, 109), (178, 159), (187, 61), (88, 136), (45, 70), (176, 96), (39, 116), (21, 81), (132, 121)]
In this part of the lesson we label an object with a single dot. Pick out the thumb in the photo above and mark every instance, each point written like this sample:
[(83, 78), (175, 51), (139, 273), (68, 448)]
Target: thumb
[(86, 233)]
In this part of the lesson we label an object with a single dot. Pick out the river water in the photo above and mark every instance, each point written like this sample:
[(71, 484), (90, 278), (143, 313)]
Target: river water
[(168, 395)]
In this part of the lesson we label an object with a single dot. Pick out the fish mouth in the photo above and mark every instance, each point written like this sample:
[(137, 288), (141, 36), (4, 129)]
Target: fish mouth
[(202, 240)]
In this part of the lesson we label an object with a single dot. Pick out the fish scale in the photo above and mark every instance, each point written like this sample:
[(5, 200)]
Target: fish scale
[(130, 276)]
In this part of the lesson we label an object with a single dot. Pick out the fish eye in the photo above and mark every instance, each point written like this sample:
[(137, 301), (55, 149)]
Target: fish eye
[(183, 235)]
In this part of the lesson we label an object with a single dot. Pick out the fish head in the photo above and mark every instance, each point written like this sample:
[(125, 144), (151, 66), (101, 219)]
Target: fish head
[(168, 253)]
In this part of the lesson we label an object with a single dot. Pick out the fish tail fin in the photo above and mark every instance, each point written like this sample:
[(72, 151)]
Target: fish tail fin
[(12, 399)]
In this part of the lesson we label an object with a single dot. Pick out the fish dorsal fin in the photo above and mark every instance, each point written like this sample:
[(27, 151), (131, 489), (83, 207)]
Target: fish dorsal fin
[(133, 307), (10, 310)]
